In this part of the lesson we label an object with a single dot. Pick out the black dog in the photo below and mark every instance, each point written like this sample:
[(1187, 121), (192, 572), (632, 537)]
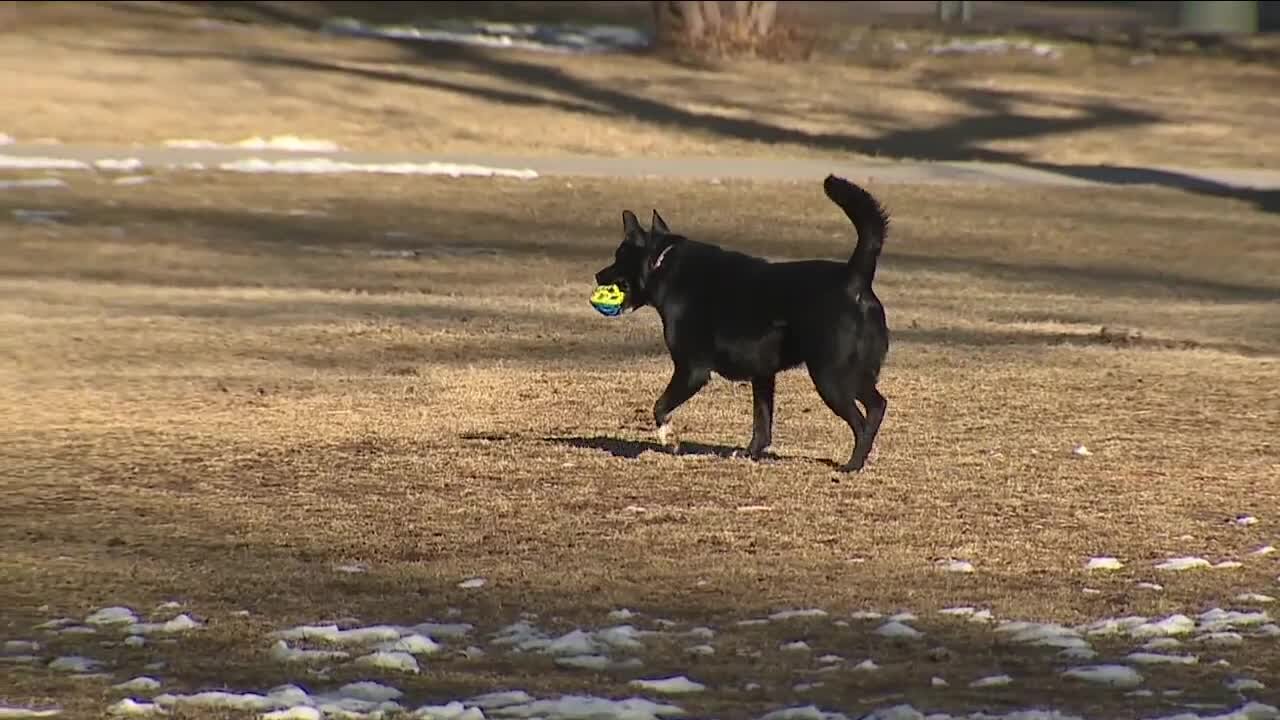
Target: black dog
[(748, 319)]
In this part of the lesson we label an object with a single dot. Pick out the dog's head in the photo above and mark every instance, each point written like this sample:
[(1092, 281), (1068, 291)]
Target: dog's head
[(638, 256)]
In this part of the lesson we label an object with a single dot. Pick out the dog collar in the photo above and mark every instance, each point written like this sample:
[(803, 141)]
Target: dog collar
[(662, 256)]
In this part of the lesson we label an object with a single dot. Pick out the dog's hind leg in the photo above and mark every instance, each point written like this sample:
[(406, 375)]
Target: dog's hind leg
[(762, 389), (685, 383), (837, 392), (876, 405)]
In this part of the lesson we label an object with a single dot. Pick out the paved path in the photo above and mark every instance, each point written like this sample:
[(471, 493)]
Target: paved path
[(792, 169)]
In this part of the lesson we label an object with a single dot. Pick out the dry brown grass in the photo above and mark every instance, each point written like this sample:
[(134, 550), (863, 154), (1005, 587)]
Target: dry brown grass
[(213, 389), (149, 72)]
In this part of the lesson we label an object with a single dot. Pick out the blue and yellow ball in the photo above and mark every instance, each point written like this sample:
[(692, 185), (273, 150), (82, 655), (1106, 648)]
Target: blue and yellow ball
[(608, 300)]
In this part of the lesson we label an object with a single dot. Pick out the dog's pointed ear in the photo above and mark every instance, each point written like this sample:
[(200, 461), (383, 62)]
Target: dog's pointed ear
[(631, 228), (657, 225)]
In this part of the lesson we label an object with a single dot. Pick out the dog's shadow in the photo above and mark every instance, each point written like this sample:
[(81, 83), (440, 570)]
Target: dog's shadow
[(632, 449)]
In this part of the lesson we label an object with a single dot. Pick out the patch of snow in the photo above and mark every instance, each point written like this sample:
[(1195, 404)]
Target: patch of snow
[(620, 615), (352, 568), (1246, 520), (141, 684), (1119, 676), (866, 615), (1162, 643), (569, 39), (326, 166), (1264, 550), (896, 629), (704, 633), (281, 652), (299, 712), (1222, 639), (1144, 658), (383, 660), (585, 662), (128, 707), (1217, 619), (751, 623), (1103, 563), (450, 711), (867, 665), (20, 646), (938, 682), (677, 685), (991, 681), (32, 162), (451, 631), (413, 643), (1081, 451), (1173, 625), (112, 616), (32, 183), (1228, 565), (290, 143), (1183, 563), (9, 711), (118, 164), (1249, 711), (701, 650), (74, 664), (957, 566), (1150, 586), (181, 623), (793, 614), (135, 641), (21, 659), (282, 697), (808, 712), (39, 217), (1254, 598), (1042, 634), (1244, 684), (472, 583), (77, 630), (797, 646), (830, 659), (332, 634), (169, 605), (575, 707), (995, 46), (903, 617)]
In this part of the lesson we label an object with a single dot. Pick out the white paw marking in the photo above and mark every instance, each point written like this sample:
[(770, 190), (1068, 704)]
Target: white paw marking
[(664, 433)]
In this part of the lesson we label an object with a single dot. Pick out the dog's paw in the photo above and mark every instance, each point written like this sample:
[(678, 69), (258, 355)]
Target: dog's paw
[(667, 435)]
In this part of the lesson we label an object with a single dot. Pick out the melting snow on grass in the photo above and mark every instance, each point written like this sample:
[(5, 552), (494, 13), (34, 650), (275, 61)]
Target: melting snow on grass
[(1120, 676), (8, 711), (1104, 563), (324, 166), (278, 142), (677, 685), (570, 39)]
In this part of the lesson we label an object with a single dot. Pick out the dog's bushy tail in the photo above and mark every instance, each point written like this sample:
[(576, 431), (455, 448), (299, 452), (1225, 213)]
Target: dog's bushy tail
[(871, 221)]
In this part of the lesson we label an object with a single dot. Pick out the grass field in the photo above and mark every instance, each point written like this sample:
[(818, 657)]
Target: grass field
[(226, 391), (150, 72)]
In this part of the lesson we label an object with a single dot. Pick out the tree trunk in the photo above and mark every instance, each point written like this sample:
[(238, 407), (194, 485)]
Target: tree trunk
[(9, 15), (701, 26)]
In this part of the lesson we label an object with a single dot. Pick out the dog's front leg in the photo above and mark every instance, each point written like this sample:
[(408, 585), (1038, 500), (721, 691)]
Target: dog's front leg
[(685, 383), (762, 416)]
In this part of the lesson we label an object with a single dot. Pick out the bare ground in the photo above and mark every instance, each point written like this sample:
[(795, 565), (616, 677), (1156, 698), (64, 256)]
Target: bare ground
[(215, 389), (150, 72)]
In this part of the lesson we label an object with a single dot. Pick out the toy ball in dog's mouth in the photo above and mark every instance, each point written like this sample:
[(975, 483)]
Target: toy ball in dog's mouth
[(608, 300)]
